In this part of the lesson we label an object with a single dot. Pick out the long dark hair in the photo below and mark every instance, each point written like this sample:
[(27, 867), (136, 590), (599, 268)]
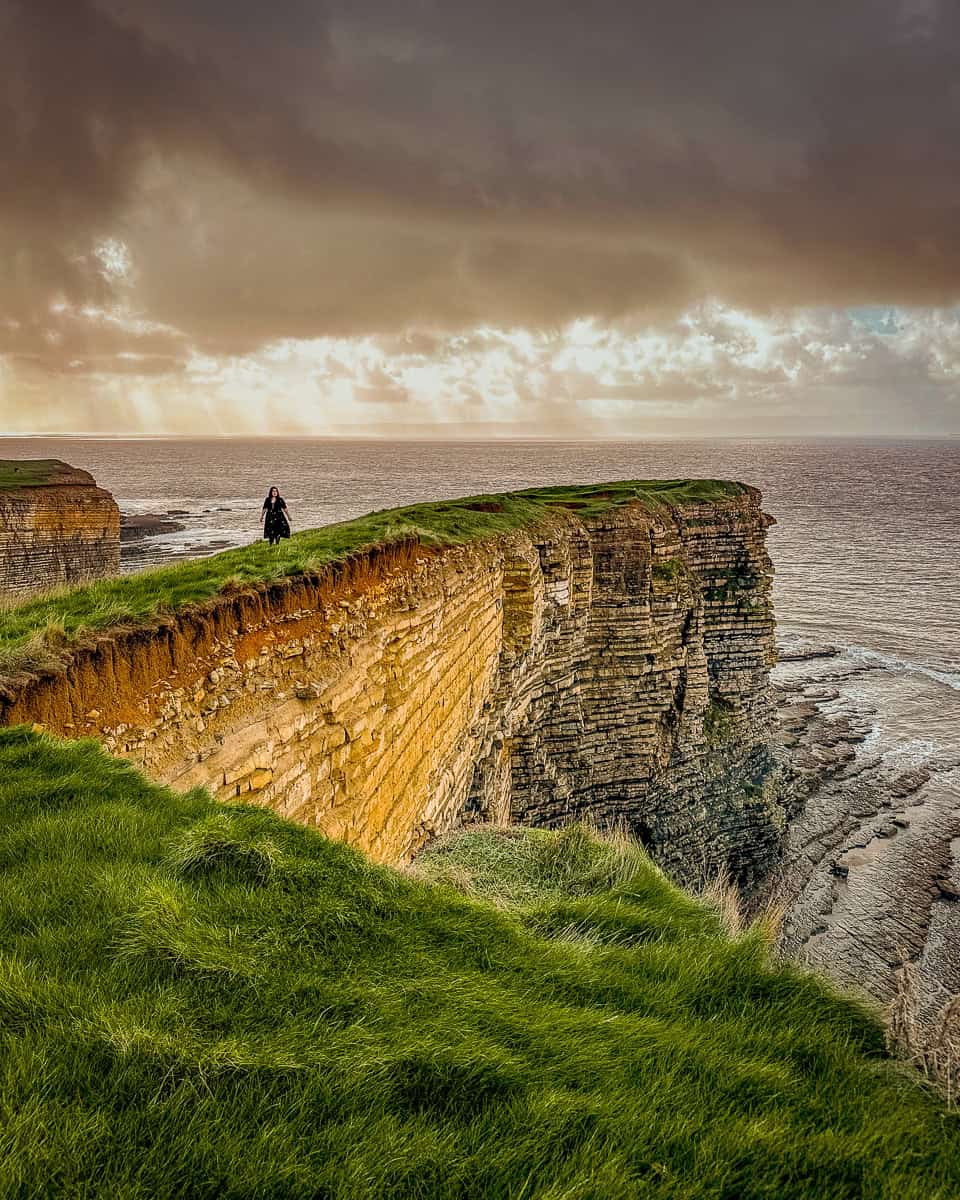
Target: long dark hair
[(279, 503)]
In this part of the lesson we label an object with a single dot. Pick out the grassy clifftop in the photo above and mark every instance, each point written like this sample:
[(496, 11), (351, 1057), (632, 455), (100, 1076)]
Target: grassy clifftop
[(28, 630), (36, 472), (199, 1001)]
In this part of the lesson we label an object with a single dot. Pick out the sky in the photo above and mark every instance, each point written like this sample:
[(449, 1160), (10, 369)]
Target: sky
[(628, 218)]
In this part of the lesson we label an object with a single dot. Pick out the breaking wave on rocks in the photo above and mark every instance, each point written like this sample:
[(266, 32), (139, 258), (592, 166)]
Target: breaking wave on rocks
[(890, 662)]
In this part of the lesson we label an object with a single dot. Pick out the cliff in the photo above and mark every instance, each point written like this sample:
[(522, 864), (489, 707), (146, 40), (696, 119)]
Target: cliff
[(609, 663), (56, 527)]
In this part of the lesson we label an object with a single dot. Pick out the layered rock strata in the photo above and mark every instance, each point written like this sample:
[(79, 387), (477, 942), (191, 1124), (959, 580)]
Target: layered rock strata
[(614, 667), (56, 527)]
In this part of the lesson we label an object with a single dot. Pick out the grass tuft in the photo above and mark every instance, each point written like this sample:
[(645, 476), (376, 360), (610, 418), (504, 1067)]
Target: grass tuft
[(932, 1046), (221, 843)]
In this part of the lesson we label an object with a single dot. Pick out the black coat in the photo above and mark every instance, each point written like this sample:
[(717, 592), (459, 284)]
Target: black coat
[(275, 523)]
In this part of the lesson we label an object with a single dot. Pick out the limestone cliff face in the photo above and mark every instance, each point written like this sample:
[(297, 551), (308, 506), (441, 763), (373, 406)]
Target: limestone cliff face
[(616, 666), (636, 687), (56, 527)]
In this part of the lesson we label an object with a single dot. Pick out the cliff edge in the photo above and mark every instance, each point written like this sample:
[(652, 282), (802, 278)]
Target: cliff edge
[(56, 527), (607, 656)]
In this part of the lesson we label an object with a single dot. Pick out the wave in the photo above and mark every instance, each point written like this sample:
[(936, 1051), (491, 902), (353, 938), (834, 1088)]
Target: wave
[(893, 662)]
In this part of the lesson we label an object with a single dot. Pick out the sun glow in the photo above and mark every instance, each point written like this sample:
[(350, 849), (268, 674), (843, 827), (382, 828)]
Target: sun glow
[(711, 366)]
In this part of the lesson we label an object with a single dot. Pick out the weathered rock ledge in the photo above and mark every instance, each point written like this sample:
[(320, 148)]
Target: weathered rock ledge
[(56, 527), (616, 665)]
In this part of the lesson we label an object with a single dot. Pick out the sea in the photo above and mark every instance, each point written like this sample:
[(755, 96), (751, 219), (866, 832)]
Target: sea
[(866, 548)]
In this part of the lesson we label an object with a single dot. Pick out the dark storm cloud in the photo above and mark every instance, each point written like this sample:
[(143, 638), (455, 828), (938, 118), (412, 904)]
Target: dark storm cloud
[(302, 168)]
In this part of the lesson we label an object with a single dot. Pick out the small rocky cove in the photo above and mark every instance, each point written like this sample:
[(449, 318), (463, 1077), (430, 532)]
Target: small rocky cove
[(145, 537)]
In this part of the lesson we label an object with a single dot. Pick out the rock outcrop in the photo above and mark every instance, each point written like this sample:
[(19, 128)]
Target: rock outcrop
[(56, 527), (615, 666)]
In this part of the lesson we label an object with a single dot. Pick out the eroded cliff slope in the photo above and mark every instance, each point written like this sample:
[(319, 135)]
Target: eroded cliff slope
[(612, 665), (56, 527)]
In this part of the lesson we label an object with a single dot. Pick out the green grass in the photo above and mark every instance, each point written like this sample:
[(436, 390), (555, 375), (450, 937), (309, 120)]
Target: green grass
[(39, 631), (206, 1001), (28, 472), (718, 721), (668, 571)]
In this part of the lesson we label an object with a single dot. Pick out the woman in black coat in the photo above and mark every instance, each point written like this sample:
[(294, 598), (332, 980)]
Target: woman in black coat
[(274, 514)]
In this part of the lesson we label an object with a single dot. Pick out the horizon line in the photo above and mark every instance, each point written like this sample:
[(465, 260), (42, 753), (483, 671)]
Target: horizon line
[(478, 437)]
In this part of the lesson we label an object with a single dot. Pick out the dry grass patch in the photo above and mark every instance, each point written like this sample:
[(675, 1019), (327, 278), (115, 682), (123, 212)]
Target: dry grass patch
[(932, 1046)]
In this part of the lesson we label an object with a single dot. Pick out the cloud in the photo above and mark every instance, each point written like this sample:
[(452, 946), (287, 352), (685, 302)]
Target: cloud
[(92, 340), (714, 370), (300, 168), (189, 186)]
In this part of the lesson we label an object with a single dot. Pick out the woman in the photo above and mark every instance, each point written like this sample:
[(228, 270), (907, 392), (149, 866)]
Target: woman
[(274, 514)]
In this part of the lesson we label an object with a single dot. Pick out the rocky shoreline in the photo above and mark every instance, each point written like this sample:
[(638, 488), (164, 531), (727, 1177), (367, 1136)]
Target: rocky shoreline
[(870, 873), (141, 541), (135, 527)]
